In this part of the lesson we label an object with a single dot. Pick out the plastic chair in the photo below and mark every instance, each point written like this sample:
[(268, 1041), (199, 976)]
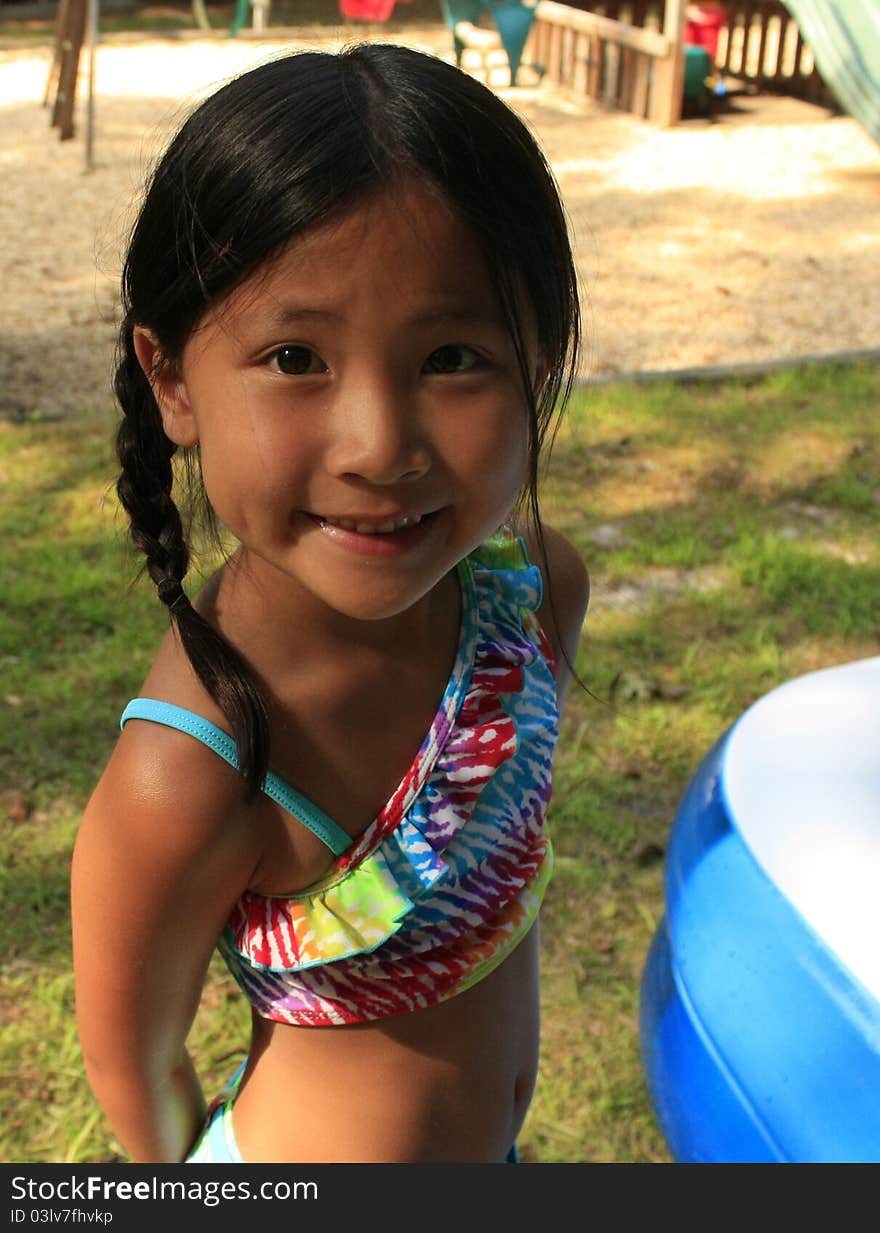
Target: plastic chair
[(512, 19), (456, 11)]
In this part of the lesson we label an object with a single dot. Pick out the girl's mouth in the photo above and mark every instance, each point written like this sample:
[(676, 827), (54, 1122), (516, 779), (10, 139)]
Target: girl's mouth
[(365, 526), (377, 537)]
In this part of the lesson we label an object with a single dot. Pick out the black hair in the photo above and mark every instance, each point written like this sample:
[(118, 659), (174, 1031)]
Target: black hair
[(283, 147)]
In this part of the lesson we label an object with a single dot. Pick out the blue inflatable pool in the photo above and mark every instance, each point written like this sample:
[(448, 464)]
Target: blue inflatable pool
[(760, 999)]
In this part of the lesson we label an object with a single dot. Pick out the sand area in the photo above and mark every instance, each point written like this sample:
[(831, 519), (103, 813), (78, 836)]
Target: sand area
[(748, 238)]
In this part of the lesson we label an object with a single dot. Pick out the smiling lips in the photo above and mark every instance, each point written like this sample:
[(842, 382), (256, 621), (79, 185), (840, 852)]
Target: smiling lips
[(378, 537), (386, 526)]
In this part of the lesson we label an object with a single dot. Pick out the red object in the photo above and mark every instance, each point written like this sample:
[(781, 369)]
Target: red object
[(703, 26), (367, 10)]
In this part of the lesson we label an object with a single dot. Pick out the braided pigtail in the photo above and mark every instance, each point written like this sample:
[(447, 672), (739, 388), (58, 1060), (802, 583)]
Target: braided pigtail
[(145, 488)]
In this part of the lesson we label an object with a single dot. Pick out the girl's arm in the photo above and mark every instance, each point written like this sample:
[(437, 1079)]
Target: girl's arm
[(161, 855)]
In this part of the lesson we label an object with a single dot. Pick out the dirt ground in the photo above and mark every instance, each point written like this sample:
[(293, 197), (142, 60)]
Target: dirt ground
[(752, 236)]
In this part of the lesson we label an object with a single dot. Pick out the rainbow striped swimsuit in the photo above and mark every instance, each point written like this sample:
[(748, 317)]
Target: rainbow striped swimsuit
[(449, 877)]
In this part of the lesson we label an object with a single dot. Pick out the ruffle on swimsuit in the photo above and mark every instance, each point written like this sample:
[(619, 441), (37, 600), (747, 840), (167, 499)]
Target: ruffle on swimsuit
[(449, 877)]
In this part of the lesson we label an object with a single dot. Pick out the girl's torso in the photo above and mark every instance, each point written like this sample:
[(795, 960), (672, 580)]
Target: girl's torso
[(451, 1081)]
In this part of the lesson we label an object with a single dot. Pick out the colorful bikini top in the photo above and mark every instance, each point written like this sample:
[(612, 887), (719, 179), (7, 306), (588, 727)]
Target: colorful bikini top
[(448, 879)]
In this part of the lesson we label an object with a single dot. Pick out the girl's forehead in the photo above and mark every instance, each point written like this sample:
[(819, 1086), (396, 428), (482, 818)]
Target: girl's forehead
[(406, 244), (409, 206)]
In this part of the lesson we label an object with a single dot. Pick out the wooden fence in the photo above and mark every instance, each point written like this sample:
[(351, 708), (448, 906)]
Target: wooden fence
[(617, 63), (761, 46)]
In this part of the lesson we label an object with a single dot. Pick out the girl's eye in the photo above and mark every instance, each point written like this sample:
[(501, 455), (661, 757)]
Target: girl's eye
[(297, 361), (453, 358)]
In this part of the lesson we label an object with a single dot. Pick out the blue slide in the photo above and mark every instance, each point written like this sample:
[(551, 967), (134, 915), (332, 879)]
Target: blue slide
[(845, 38)]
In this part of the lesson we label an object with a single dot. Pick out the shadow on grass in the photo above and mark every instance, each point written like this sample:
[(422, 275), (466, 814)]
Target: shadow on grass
[(75, 639), (35, 888)]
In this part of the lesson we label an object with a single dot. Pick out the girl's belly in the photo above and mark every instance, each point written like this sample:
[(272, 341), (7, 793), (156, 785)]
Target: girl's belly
[(452, 1083)]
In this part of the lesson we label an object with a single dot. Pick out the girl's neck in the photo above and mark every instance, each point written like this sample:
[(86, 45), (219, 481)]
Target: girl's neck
[(272, 620)]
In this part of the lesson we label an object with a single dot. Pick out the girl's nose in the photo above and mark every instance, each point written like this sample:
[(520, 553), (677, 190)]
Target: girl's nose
[(376, 436)]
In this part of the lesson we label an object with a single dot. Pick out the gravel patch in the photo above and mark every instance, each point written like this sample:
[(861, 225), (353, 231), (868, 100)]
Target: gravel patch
[(751, 238)]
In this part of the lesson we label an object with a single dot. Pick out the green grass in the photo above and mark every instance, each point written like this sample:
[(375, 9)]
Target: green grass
[(731, 535)]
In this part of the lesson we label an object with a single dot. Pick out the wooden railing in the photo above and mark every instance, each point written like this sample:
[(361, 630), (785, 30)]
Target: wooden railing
[(762, 45), (614, 63), (646, 14)]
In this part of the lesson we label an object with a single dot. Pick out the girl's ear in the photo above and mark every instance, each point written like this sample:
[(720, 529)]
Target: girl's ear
[(169, 389)]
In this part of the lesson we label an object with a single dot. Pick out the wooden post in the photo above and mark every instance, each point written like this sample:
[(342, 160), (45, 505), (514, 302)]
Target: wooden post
[(62, 40), (641, 85), (566, 58), (71, 45), (55, 66), (627, 78), (798, 52), (554, 58), (581, 63), (92, 25), (595, 68), (260, 12), (668, 77), (762, 43), (200, 15), (541, 42)]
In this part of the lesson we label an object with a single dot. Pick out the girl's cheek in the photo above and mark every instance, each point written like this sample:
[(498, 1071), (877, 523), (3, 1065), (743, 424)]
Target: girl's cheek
[(504, 446)]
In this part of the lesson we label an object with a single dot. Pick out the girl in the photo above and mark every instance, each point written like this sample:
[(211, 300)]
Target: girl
[(350, 298)]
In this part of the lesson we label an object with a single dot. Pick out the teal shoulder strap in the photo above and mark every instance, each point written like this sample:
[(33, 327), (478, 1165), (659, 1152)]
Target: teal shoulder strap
[(318, 822)]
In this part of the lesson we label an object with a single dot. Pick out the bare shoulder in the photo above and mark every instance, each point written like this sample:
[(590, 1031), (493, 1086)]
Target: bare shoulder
[(566, 593), (169, 807), (175, 782)]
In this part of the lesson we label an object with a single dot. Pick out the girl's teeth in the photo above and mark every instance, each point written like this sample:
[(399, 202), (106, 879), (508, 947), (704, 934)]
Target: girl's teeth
[(375, 528)]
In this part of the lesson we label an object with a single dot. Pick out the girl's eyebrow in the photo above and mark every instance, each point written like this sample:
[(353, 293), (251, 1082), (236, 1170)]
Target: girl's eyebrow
[(286, 314), (467, 315), (283, 314)]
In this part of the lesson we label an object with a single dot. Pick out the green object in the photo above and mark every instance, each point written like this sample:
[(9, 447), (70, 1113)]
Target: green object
[(455, 11), (844, 36), (240, 17), (697, 68), (514, 22)]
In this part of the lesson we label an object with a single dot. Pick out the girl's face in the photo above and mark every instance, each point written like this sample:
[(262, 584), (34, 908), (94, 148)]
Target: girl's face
[(358, 408)]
